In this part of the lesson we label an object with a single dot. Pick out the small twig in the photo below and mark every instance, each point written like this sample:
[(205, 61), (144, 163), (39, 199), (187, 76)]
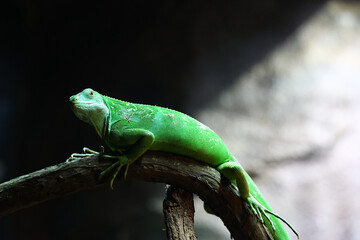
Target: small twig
[(67, 178)]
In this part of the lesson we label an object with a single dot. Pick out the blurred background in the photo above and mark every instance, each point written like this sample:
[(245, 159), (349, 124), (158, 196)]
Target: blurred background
[(277, 80)]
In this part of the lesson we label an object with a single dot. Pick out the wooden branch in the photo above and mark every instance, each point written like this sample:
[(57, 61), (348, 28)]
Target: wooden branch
[(178, 208), (67, 178)]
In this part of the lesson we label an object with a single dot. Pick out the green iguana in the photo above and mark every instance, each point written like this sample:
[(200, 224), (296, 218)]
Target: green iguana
[(132, 129)]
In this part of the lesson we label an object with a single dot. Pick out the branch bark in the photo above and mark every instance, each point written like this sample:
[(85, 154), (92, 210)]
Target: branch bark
[(67, 178), (178, 208)]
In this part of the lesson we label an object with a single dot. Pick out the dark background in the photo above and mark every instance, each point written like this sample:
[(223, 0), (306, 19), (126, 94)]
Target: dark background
[(178, 54)]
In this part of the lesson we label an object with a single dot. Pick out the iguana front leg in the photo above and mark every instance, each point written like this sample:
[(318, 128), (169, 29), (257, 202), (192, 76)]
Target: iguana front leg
[(135, 141)]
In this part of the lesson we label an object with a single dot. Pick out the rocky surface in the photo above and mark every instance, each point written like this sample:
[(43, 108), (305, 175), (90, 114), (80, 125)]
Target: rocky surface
[(293, 122)]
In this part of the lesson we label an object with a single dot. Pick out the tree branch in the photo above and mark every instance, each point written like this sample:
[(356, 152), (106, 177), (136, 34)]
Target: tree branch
[(178, 208), (67, 178)]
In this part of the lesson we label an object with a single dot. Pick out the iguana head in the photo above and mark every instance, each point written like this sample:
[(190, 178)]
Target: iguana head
[(90, 107)]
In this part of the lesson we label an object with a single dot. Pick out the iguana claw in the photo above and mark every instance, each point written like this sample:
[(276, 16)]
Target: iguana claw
[(122, 161), (87, 153), (261, 211)]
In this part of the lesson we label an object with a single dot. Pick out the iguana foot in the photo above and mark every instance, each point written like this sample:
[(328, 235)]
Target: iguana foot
[(87, 153), (122, 161), (261, 211)]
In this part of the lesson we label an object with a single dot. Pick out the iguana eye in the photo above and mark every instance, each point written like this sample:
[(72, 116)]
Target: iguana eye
[(91, 93)]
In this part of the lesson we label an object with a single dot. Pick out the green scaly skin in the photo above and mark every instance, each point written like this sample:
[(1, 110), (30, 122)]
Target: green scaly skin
[(132, 129)]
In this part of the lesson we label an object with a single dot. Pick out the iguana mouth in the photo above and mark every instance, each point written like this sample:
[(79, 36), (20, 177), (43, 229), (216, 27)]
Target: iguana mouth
[(86, 102)]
